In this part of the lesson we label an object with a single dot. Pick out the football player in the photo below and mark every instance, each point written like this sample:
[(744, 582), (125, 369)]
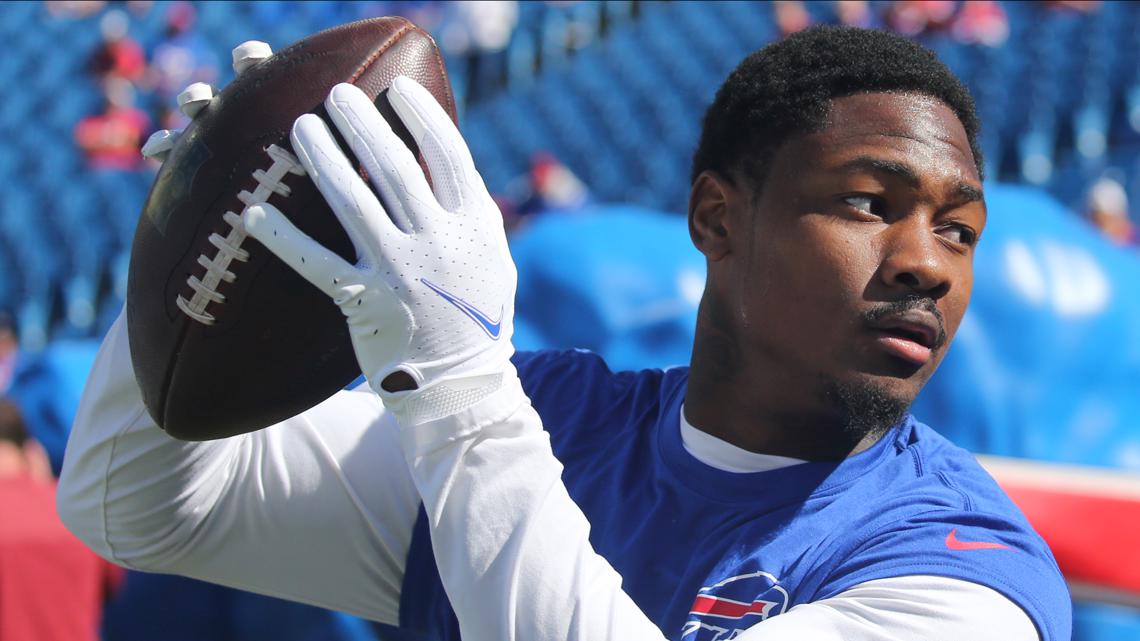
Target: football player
[(775, 489)]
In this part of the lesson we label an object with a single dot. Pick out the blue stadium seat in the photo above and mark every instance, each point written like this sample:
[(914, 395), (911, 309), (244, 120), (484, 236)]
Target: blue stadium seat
[(628, 288)]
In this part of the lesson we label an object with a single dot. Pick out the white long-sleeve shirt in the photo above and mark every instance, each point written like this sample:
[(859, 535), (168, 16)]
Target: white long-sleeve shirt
[(320, 509)]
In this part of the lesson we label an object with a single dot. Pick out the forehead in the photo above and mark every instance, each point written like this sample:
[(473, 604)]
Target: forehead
[(916, 129)]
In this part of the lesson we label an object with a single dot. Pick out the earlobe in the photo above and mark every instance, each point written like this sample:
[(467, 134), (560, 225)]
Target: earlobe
[(709, 210)]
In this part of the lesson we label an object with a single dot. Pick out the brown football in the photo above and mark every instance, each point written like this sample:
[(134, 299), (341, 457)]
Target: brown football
[(225, 338)]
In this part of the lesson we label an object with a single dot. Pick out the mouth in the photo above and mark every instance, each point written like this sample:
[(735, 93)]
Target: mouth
[(911, 336)]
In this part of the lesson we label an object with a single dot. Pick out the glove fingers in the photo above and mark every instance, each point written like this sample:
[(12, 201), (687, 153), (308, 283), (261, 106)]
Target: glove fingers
[(449, 161), (389, 163), (355, 205), (321, 267)]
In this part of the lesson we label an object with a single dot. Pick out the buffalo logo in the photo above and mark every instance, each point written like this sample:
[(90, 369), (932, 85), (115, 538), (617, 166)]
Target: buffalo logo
[(725, 609)]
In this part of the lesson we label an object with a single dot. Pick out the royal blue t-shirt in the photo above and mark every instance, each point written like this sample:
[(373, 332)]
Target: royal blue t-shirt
[(707, 553)]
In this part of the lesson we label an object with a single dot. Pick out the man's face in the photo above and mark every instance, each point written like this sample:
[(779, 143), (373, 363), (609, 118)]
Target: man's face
[(857, 263)]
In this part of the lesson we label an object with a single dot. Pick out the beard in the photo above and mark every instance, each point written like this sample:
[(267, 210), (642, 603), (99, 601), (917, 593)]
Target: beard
[(866, 410)]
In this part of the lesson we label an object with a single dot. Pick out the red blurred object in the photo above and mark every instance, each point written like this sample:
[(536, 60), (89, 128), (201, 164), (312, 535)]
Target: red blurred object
[(123, 58), (791, 16), (111, 140), (52, 587), (915, 17), (1088, 516), (981, 22), (118, 55)]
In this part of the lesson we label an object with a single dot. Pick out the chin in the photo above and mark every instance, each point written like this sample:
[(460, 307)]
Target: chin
[(869, 405)]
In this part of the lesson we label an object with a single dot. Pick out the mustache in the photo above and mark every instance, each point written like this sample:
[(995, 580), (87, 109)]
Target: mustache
[(906, 304)]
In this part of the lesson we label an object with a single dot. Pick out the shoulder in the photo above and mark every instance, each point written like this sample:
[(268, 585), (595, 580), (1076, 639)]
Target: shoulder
[(939, 462), (543, 367), (938, 512), (570, 377), (575, 388)]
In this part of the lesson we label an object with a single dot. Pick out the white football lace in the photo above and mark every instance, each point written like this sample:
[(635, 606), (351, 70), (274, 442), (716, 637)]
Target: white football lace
[(229, 246)]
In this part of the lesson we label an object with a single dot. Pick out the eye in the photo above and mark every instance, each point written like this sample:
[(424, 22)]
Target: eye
[(960, 234), (866, 204)]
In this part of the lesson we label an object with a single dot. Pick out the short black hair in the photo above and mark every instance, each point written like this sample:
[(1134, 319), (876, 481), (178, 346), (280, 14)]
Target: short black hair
[(786, 89)]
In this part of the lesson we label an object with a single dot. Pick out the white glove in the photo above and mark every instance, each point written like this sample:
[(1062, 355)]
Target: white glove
[(432, 292)]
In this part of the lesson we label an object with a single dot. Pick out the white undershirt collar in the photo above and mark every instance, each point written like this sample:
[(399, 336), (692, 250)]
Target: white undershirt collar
[(725, 456)]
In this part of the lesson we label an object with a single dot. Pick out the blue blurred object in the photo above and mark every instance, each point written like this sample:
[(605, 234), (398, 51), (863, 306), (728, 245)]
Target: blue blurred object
[(174, 608), (1105, 622), (1046, 364), (38, 388), (622, 281)]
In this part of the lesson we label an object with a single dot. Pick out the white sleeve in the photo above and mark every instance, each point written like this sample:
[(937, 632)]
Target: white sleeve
[(932, 608), (317, 509), (515, 559)]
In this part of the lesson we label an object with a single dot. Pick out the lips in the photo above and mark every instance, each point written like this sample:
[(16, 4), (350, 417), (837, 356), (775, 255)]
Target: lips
[(912, 335)]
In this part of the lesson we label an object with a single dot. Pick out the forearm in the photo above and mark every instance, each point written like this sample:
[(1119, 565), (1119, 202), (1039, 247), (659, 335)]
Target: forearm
[(285, 511), (511, 546), (127, 489)]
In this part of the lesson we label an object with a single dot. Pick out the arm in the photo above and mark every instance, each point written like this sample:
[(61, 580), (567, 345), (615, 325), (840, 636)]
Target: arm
[(317, 509)]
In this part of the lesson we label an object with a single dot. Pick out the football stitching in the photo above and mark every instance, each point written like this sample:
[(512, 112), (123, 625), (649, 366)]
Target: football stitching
[(229, 246)]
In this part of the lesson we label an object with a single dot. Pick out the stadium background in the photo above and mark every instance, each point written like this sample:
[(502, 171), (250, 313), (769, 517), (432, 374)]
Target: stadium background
[(582, 117)]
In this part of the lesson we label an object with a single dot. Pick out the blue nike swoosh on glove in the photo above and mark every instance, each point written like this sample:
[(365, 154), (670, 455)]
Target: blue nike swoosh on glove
[(492, 327)]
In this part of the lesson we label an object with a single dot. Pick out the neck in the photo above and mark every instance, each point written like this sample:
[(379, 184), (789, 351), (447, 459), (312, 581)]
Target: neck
[(742, 398)]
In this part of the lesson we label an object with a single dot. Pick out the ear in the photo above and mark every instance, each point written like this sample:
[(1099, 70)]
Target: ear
[(709, 212)]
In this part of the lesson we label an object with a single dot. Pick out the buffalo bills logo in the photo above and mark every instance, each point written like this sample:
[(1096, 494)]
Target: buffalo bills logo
[(725, 609)]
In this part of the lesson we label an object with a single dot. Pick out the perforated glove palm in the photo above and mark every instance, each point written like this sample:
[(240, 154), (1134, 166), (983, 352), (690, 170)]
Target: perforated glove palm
[(432, 292)]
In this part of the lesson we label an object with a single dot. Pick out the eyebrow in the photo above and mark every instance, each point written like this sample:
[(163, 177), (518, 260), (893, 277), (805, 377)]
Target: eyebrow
[(969, 193), (881, 165), (965, 193)]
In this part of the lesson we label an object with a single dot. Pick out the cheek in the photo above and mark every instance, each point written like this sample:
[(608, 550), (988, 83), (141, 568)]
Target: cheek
[(830, 262), (957, 301), (806, 282)]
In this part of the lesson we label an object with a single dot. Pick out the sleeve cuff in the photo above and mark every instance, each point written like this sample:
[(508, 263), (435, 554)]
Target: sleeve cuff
[(455, 409)]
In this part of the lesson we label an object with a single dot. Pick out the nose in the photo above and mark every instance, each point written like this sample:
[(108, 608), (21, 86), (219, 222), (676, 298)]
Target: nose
[(914, 259)]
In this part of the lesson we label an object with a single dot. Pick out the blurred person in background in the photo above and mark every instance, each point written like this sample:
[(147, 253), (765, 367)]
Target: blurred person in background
[(914, 18), (791, 16), (855, 13), (182, 57), (478, 33), (982, 22), (112, 139), (550, 186), (118, 54), (74, 8), (31, 383), (1080, 6), (1107, 209), (52, 587)]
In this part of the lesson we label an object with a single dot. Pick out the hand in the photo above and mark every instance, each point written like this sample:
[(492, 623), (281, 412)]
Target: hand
[(431, 296)]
